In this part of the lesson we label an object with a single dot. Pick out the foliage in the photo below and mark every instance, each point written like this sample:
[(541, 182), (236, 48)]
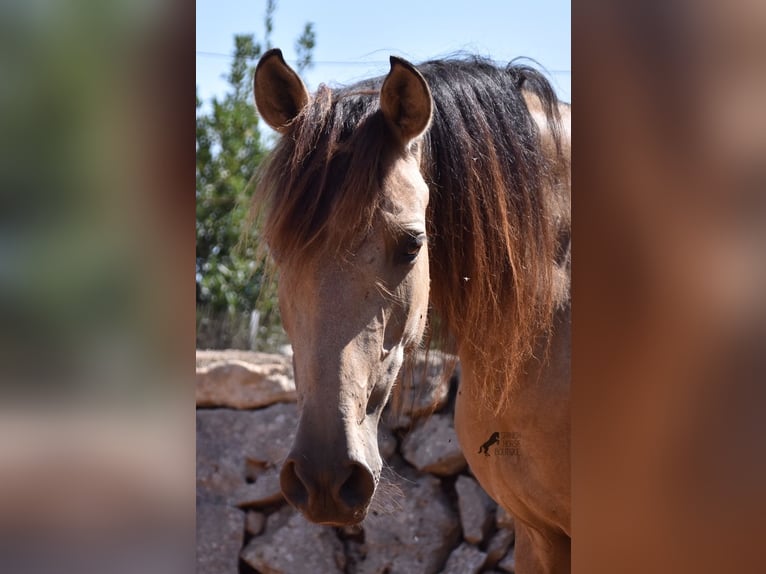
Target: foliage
[(229, 146), (304, 47)]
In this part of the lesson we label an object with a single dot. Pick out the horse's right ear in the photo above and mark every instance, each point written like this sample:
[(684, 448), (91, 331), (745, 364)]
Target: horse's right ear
[(279, 93), (405, 100)]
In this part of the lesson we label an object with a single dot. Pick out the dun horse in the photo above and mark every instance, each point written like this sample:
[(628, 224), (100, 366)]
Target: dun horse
[(441, 188)]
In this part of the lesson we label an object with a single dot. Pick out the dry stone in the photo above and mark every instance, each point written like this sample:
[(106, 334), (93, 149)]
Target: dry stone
[(206, 357), (475, 508), (243, 385), (465, 559), (508, 563), (417, 537), (297, 546), (220, 457), (255, 522), (433, 447), (504, 519), (279, 518), (498, 546), (220, 535), (264, 491), (270, 434), (228, 439), (386, 442), (423, 389), (355, 554), (415, 525)]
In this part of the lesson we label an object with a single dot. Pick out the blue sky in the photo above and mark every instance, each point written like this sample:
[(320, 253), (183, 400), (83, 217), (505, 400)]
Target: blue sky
[(354, 38)]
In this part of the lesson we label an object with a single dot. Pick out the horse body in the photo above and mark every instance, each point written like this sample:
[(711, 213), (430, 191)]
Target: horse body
[(530, 479), (445, 185)]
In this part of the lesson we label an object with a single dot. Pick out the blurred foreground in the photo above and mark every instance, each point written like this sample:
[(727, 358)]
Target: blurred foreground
[(669, 452), (96, 299)]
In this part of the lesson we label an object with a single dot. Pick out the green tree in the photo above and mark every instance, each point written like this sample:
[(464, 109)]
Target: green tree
[(229, 150), (229, 146), (304, 47)]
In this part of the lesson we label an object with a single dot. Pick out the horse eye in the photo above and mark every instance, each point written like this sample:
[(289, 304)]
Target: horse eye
[(410, 247)]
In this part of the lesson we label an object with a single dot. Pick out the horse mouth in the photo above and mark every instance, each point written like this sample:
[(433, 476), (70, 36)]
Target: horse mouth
[(335, 518)]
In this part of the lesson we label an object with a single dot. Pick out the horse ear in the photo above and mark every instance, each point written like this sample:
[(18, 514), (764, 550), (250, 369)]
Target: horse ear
[(279, 93), (406, 100)]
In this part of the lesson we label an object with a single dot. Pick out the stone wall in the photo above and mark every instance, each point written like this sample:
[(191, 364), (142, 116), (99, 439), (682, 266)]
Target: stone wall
[(428, 516)]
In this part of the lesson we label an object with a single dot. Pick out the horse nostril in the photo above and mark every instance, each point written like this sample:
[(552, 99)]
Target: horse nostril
[(358, 488), (293, 488)]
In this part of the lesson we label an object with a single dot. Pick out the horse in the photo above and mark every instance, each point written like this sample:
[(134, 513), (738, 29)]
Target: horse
[(428, 205)]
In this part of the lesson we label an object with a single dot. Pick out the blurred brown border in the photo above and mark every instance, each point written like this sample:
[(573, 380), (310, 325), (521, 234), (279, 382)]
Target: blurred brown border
[(669, 464), (97, 293)]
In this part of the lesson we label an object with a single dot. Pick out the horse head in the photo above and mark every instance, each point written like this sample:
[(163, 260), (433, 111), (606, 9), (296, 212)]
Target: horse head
[(346, 225)]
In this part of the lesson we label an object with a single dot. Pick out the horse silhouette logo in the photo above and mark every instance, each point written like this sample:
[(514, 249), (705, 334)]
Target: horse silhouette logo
[(493, 439)]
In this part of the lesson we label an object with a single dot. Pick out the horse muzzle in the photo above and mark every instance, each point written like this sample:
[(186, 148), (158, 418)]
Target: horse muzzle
[(327, 493)]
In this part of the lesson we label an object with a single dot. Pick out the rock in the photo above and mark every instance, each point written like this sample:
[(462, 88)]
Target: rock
[(475, 508), (242, 385), (498, 546), (351, 531), (220, 457), (206, 357), (228, 439), (220, 535), (269, 434), (423, 389), (355, 554), (263, 492), (386, 442), (352, 537), (412, 527), (508, 563), (297, 546), (279, 518), (465, 559), (433, 447), (504, 519), (255, 522), (415, 538)]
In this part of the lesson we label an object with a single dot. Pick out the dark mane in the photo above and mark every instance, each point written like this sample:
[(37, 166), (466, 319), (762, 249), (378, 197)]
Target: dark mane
[(492, 236)]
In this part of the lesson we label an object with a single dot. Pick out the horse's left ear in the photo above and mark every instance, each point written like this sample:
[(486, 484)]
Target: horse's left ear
[(406, 100), (280, 95)]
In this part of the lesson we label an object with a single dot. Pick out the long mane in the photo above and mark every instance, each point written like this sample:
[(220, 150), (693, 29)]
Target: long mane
[(492, 231)]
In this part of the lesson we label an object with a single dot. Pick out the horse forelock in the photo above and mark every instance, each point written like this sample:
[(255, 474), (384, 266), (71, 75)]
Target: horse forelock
[(320, 188)]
